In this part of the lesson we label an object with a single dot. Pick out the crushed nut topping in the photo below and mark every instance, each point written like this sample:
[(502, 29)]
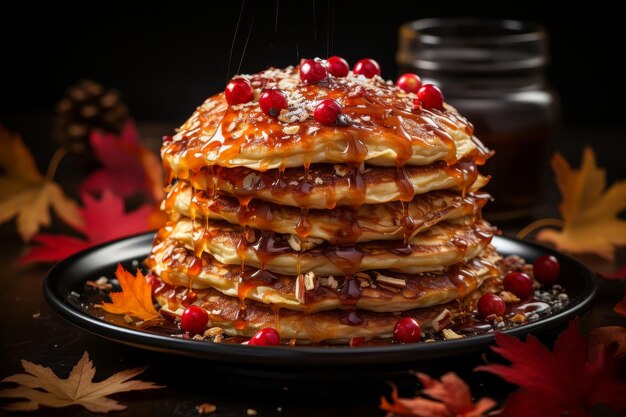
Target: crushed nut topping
[(300, 289), (291, 130), (518, 318), (341, 170), (329, 281), (390, 281), (249, 181), (101, 283), (213, 331), (206, 408), (509, 297), (312, 129), (309, 281), (449, 334), (250, 235), (294, 242), (389, 288), (300, 245), (442, 320)]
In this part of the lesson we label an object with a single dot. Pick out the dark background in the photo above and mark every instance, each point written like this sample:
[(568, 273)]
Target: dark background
[(165, 61)]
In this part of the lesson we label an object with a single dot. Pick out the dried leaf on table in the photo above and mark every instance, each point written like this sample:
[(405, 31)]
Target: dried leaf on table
[(589, 210), (569, 380), (127, 166), (448, 397), (25, 193), (135, 299), (103, 219), (42, 387)]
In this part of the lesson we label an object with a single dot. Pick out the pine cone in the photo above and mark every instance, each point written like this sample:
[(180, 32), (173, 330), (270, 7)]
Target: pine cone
[(87, 106)]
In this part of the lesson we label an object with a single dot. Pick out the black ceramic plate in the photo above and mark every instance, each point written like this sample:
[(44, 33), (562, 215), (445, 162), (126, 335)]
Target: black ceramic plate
[(64, 289)]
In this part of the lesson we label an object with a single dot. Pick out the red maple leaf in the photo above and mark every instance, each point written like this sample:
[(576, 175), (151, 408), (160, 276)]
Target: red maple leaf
[(452, 395), (127, 167), (569, 380), (104, 220), (619, 274), (620, 307)]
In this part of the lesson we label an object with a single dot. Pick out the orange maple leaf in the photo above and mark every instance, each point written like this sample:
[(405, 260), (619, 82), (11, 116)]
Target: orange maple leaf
[(589, 210), (135, 299), (28, 195), (42, 387), (453, 396)]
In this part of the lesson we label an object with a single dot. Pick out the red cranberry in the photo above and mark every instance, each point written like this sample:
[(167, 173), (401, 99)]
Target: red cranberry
[(337, 66), (327, 112), (152, 278), (194, 319), (407, 330), (367, 67), (312, 71), (417, 105), (491, 304), (272, 102), (519, 284), (546, 269), (431, 97), (409, 82), (238, 90), (357, 341), (265, 337)]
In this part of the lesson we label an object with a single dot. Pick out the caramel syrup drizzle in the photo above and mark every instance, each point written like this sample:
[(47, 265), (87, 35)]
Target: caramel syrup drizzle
[(387, 113)]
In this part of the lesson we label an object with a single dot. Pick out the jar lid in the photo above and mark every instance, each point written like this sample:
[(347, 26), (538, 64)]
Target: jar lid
[(472, 44)]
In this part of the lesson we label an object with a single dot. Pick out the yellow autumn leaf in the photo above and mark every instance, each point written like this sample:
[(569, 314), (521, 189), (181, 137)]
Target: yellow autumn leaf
[(26, 194), (40, 386), (589, 210)]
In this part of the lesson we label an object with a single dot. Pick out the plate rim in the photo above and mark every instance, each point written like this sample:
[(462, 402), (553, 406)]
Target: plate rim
[(285, 355)]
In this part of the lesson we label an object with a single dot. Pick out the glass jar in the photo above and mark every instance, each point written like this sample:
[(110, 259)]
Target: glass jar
[(492, 71)]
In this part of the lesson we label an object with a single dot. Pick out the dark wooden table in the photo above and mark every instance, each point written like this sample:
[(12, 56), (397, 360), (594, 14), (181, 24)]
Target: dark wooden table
[(32, 331)]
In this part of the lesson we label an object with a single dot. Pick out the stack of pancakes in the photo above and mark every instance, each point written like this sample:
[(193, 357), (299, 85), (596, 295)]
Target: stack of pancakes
[(323, 232)]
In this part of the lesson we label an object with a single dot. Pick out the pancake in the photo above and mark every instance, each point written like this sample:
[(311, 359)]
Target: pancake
[(327, 186), (326, 229), (440, 246), (341, 225), (382, 291), (331, 326), (380, 127)]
